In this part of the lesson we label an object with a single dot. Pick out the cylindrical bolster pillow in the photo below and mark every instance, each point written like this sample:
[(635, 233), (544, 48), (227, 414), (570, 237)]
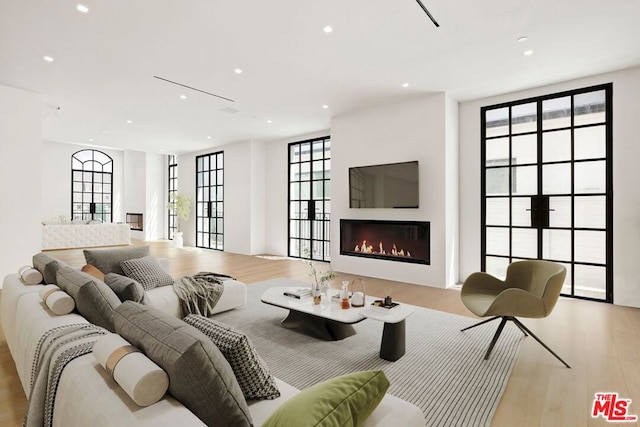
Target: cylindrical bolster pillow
[(58, 301), (30, 275), (144, 381)]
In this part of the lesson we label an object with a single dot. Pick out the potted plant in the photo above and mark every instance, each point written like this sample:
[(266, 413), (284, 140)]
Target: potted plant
[(181, 204)]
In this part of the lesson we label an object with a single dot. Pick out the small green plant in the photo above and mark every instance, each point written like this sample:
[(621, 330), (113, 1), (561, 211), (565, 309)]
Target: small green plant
[(321, 278), (181, 203)]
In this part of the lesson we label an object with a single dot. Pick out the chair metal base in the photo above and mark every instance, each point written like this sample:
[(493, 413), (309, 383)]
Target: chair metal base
[(519, 324)]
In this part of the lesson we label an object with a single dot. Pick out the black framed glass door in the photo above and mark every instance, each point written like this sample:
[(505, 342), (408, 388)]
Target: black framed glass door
[(547, 187), (210, 201), (172, 189), (310, 199)]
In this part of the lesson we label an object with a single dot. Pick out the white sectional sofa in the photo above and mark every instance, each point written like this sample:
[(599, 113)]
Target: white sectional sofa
[(86, 395)]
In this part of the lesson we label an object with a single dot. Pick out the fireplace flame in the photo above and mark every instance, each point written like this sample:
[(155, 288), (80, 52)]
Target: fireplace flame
[(366, 248)]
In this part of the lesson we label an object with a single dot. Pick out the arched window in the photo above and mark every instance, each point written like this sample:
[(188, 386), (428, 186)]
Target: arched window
[(91, 185)]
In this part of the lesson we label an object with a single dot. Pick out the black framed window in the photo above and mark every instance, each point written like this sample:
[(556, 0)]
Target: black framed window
[(91, 186), (547, 186), (172, 188), (210, 201), (310, 199)]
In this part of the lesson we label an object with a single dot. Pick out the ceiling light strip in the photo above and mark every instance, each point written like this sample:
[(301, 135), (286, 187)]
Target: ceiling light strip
[(193, 88), (428, 14)]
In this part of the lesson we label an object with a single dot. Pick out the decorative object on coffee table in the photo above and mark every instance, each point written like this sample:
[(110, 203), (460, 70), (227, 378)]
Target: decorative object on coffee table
[(344, 295), (387, 299), (359, 292), (316, 293), (320, 283)]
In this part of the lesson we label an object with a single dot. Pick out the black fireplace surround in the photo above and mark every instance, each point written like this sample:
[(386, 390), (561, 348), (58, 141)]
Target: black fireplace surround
[(403, 241)]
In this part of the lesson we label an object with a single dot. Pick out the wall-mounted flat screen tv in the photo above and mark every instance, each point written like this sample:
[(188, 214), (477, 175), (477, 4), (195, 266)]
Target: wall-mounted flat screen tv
[(393, 185)]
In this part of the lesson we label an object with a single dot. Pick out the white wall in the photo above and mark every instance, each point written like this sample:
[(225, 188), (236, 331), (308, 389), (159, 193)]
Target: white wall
[(135, 177), (452, 208), (21, 153), (155, 224), (411, 130), (258, 197), (626, 198), (145, 192)]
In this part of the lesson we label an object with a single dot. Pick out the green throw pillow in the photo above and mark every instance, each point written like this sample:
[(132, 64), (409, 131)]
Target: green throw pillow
[(343, 401)]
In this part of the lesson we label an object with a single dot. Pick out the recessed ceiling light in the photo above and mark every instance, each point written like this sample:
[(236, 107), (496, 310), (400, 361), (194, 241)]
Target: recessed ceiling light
[(208, 137), (237, 71), (405, 84), (82, 8), (325, 106), (90, 139), (47, 58), (183, 96), (129, 121), (328, 29), (269, 121), (527, 52), (522, 39)]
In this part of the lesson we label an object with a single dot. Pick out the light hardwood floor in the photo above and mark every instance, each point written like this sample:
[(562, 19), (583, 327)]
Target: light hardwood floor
[(600, 341)]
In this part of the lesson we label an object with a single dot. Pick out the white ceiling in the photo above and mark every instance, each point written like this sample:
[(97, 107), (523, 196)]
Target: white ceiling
[(105, 60)]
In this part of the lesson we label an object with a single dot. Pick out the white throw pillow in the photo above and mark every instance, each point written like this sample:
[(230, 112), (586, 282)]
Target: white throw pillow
[(57, 300), (144, 381)]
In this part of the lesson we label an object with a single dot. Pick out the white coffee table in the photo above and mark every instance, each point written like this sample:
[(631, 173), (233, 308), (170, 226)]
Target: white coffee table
[(329, 321)]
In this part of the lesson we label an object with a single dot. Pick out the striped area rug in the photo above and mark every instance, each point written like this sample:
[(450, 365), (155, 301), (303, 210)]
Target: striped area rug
[(443, 371)]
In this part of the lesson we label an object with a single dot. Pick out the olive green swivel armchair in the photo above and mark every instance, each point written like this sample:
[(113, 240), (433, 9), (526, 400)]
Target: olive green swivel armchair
[(531, 289)]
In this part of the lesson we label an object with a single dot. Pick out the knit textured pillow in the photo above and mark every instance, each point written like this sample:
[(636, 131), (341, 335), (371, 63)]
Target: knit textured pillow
[(252, 373), (147, 271)]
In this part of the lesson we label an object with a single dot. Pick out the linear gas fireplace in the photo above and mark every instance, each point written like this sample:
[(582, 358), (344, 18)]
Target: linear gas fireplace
[(404, 241)]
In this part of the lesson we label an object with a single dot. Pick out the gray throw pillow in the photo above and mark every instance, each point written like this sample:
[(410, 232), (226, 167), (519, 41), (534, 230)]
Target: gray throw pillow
[(147, 271), (199, 375), (125, 287), (251, 371), (47, 266), (108, 260), (95, 301)]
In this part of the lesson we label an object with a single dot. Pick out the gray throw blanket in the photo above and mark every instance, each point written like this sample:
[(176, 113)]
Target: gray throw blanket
[(199, 293), (56, 348)]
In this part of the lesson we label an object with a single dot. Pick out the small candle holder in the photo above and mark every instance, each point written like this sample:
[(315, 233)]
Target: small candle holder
[(387, 299)]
